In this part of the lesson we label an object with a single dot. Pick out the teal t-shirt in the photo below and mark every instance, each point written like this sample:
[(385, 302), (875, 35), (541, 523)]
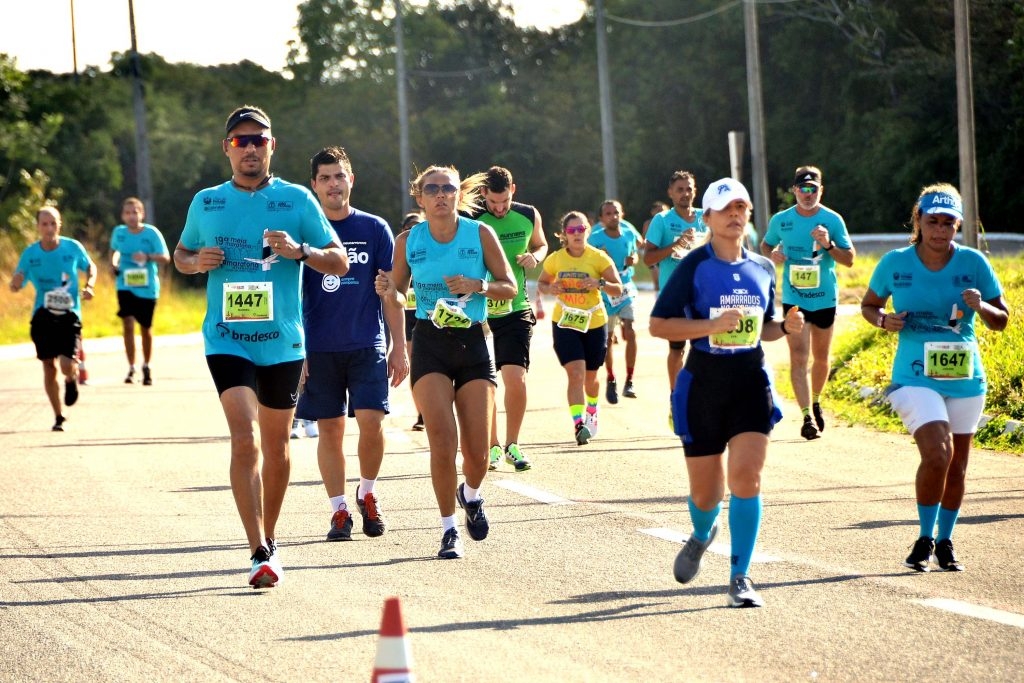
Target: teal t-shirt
[(253, 307), (618, 249), (809, 272), (938, 336), (665, 228), (141, 279), (54, 275), (431, 261)]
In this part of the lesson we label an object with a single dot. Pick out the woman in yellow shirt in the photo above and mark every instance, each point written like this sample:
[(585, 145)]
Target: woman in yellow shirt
[(576, 275)]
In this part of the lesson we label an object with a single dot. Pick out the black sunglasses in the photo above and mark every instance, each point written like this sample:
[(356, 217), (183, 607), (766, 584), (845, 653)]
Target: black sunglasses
[(433, 189), (259, 140)]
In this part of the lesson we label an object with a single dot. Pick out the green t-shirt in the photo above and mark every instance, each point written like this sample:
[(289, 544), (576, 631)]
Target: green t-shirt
[(514, 231)]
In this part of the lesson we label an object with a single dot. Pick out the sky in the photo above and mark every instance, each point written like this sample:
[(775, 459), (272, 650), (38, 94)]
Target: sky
[(37, 33)]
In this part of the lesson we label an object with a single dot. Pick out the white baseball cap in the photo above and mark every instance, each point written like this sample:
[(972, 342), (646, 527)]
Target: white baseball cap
[(722, 192)]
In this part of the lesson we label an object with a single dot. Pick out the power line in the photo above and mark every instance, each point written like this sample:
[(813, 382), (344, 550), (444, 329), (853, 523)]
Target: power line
[(691, 19)]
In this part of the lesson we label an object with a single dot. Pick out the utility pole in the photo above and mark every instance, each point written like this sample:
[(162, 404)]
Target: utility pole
[(403, 112), (759, 169), (611, 183), (965, 122), (142, 177), (74, 44)]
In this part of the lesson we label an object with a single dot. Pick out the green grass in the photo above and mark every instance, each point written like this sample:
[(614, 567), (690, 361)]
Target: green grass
[(862, 357), (180, 310)]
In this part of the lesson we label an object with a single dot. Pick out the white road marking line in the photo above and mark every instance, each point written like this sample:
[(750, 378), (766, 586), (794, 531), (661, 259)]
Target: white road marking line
[(975, 611), (531, 492), (717, 548)]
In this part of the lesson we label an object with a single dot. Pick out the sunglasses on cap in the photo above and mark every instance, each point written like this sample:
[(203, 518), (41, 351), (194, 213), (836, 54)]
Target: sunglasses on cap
[(808, 189), (575, 230), (258, 139), (433, 189)]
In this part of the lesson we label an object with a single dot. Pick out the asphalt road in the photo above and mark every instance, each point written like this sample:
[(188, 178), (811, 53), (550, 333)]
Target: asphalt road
[(123, 558)]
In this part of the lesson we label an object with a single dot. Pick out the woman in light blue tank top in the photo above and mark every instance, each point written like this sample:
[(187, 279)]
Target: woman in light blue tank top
[(457, 264), (939, 291)]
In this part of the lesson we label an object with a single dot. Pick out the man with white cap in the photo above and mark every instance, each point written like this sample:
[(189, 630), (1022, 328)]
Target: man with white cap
[(721, 299), (808, 239)]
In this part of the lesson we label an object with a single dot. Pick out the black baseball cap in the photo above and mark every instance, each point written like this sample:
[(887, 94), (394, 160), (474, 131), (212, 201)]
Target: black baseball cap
[(246, 113), (805, 178)]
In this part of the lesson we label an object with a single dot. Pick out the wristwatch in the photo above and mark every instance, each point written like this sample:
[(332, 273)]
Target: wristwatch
[(483, 286), (306, 252), (831, 246), (601, 282)]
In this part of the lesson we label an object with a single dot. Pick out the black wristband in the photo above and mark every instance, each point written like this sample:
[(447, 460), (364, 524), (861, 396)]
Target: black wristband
[(783, 327)]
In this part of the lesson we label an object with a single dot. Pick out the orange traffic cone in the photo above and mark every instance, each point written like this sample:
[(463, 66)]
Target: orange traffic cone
[(83, 374), (394, 659)]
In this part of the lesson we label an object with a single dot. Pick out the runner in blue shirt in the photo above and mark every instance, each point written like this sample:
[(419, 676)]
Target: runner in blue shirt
[(671, 235), (52, 266), (137, 252), (808, 239), (347, 364), (622, 244), (251, 236), (939, 292), (721, 298), (457, 264)]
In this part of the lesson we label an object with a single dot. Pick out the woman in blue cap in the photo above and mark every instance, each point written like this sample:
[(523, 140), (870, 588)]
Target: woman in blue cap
[(939, 291)]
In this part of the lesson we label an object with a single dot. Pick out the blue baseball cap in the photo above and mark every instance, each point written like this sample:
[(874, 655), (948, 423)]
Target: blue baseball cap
[(942, 202)]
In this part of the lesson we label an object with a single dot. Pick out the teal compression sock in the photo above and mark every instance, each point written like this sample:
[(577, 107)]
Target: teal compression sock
[(703, 520), (744, 523)]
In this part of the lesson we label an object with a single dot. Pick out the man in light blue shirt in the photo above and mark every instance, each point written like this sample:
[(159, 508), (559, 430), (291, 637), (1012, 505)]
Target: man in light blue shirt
[(137, 252), (808, 240), (251, 235)]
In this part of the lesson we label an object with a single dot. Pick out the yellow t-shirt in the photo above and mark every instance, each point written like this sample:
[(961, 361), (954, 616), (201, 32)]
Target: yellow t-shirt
[(570, 270)]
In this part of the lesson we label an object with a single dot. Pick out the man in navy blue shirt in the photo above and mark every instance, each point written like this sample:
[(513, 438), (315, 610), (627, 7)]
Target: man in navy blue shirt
[(347, 362)]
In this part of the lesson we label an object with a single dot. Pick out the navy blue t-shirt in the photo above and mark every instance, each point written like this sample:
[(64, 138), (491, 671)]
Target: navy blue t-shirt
[(703, 283), (344, 313)]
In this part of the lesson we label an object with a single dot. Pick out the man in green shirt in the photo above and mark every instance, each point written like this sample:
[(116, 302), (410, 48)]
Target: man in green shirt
[(521, 234)]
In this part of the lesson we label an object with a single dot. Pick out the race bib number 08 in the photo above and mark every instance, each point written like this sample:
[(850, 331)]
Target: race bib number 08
[(948, 360), (248, 302), (745, 335)]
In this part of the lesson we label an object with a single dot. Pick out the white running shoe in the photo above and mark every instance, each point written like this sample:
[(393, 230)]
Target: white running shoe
[(312, 428), (296, 429), (590, 420)]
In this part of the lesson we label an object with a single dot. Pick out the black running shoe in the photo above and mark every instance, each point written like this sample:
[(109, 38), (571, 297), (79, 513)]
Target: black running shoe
[(418, 426), (819, 419), (611, 392), (476, 520), (921, 553), (58, 426), (946, 558), (451, 545), (147, 379), (369, 509), (809, 431), (70, 392), (341, 526)]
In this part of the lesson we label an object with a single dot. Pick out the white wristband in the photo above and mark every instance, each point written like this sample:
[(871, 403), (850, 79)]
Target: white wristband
[(483, 285)]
